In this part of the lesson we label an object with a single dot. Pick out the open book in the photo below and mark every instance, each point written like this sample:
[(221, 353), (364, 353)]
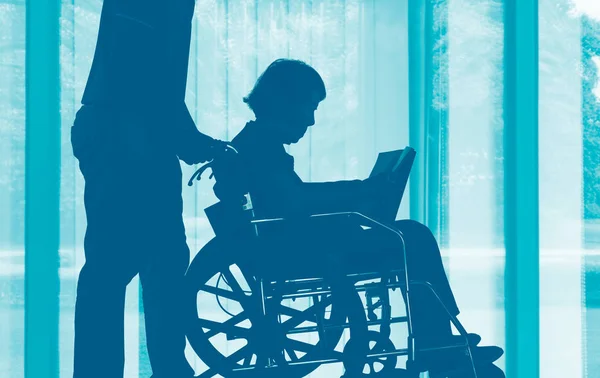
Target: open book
[(394, 162), (397, 165)]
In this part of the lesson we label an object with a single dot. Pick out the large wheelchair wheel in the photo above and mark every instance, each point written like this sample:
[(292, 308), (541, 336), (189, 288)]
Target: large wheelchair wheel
[(228, 331)]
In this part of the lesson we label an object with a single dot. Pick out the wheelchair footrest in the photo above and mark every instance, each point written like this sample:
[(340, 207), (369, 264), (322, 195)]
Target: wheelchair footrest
[(430, 356)]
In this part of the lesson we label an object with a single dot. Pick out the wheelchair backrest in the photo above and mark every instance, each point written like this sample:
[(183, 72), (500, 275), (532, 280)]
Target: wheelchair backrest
[(232, 216)]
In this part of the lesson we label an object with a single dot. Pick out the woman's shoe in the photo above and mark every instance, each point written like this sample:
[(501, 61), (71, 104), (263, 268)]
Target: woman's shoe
[(483, 371), (447, 360)]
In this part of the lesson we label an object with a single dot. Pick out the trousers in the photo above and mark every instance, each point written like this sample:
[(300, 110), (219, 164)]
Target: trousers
[(325, 246), (134, 209), (431, 323)]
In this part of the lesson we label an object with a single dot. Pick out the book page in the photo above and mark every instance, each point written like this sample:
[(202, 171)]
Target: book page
[(386, 161), (407, 155)]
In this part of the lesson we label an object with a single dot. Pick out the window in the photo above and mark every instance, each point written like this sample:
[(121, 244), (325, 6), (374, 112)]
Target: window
[(568, 156), (590, 37), (12, 187), (361, 49), (466, 119)]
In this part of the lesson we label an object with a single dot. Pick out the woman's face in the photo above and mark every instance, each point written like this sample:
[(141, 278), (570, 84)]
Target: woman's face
[(297, 118)]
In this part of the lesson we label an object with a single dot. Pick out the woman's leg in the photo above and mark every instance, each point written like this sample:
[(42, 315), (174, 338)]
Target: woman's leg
[(431, 321), (376, 249)]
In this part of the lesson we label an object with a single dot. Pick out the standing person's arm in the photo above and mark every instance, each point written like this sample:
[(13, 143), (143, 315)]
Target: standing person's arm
[(175, 24), (140, 67), (190, 144)]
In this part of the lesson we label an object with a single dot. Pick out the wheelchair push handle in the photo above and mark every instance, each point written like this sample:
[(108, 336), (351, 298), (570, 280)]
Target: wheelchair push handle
[(226, 165), (220, 155)]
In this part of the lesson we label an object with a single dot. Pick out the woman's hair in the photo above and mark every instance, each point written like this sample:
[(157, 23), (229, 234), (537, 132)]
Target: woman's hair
[(285, 81)]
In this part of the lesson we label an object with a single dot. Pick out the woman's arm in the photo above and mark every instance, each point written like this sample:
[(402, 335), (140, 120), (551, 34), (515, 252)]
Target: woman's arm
[(296, 198)]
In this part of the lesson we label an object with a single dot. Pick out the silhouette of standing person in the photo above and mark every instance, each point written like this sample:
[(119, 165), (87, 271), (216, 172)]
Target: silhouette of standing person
[(128, 135), (284, 100)]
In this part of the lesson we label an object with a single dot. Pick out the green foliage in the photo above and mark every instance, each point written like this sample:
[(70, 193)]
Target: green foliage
[(591, 117)]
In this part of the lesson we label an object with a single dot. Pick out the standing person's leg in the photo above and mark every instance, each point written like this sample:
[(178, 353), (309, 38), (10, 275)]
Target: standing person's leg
[(110, 249), (163, 273)]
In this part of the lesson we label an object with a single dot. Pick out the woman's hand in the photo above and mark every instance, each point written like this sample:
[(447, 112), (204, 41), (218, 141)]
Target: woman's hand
[(379, 186), (376, 194)]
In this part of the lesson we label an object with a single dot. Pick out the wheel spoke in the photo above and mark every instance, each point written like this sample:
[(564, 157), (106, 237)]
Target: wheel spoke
[(223, 293), (293, 346), (229, 323), (208, 373), (240, 354), (301, 316), (250, 280), (335, 354), (261, 360), (300, 346), (291, 312), (248, 360), (371, 367), (228, 329), (232, 282), (292, 353), (378, 348)]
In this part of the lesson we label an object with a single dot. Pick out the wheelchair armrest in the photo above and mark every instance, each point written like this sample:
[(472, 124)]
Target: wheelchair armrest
[(360, 219)]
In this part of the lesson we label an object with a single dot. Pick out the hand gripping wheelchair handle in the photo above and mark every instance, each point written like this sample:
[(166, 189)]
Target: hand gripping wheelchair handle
[(227, 153), (235, 207)]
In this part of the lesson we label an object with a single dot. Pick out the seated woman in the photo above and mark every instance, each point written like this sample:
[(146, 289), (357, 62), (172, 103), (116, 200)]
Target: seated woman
[(284, 100)]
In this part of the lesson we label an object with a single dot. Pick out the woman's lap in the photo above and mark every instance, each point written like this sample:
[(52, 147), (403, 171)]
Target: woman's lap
[(351, 249)]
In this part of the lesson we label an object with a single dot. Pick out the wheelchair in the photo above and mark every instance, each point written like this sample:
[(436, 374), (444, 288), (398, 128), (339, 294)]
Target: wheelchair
[(253, 315)]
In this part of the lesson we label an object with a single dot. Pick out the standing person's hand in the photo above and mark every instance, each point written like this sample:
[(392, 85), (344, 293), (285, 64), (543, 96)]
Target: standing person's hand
[(192, 146), (200, 149)]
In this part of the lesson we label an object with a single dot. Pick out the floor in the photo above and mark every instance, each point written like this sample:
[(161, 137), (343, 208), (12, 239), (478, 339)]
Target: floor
[(569, 315)]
